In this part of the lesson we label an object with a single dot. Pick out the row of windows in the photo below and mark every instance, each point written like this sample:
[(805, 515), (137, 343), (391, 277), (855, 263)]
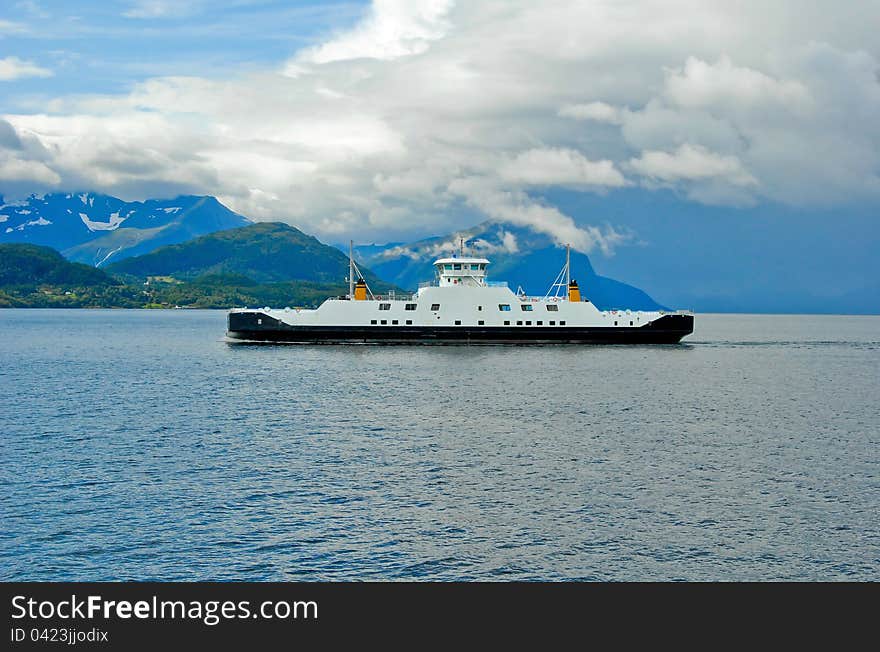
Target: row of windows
[(394, 322), (460, 266), (527, 307), (503, 307)]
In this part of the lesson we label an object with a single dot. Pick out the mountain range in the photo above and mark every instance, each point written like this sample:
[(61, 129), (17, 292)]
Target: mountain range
[(192, 250), (259, 264), (521, 256), (98, 229)]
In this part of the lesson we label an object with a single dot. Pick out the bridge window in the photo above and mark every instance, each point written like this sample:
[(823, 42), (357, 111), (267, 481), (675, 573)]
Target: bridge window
[(384, 306), (553, 308), (410, 306), (435, 306), (456, 266), (447, 266), (475, 266), (504, 307), (526, 307)]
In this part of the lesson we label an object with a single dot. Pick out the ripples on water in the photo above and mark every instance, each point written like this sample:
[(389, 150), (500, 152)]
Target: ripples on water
[(139, 445)]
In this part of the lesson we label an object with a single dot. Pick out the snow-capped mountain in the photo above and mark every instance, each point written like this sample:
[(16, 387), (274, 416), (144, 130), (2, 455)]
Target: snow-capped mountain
[(97, 229), (524, 258)]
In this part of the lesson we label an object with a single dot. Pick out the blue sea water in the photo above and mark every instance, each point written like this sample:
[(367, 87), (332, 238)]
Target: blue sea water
[(140, 445)]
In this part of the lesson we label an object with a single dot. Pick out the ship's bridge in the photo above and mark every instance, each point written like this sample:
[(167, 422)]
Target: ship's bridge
[(461, 271)]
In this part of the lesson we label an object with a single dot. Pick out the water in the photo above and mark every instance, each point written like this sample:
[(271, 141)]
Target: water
[(139, 445)]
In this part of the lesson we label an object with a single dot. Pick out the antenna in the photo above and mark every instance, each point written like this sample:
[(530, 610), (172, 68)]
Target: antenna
[(562, 280), (351, 269), (567, 270), (462, 247)]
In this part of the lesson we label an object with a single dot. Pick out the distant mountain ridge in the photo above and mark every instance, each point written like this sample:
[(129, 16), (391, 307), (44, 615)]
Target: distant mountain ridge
[(97, 229), (267, 252), (519, 255)]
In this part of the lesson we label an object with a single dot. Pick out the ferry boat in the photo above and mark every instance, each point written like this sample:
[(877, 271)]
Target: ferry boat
[(460, 307)]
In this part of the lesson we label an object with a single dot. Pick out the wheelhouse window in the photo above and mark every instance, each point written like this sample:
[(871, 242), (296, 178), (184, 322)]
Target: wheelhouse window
[(456, 266), (410, 306), (384, 306), (475, 266), (526, 307), (447, 266), (552, 307), (435, 306), (504, 307)]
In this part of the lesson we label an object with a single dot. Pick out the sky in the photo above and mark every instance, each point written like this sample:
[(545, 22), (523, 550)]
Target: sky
[(748, 123)]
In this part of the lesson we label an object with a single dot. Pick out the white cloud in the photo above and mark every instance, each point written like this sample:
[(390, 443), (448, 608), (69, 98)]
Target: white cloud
[(560, 167), (12, 68), (700, 85), (596, 111), (429, 117), (160, 9), (14, 169), (392, 29), (691, 162)]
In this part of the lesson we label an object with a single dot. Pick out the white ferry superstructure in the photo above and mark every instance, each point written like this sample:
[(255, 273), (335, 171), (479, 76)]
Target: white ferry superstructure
[(460, 307)]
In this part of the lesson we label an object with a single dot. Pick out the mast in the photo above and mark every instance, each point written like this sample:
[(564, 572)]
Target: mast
[(462, 247), (567, 270), (351, 269)]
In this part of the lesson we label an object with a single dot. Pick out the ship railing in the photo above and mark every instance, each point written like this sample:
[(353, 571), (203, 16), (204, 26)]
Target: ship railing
[(426, 284), (392, 297), (496, 284)]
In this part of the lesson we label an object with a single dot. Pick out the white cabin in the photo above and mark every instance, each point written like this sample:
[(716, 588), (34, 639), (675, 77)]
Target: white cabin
[(467, 272)]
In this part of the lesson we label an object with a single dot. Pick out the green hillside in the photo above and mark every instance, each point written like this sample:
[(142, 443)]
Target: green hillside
[(258, 265), (31, 265), (32, 276), (265, 253)]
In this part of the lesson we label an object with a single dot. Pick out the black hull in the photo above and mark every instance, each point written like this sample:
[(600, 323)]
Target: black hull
[(259, 327)]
